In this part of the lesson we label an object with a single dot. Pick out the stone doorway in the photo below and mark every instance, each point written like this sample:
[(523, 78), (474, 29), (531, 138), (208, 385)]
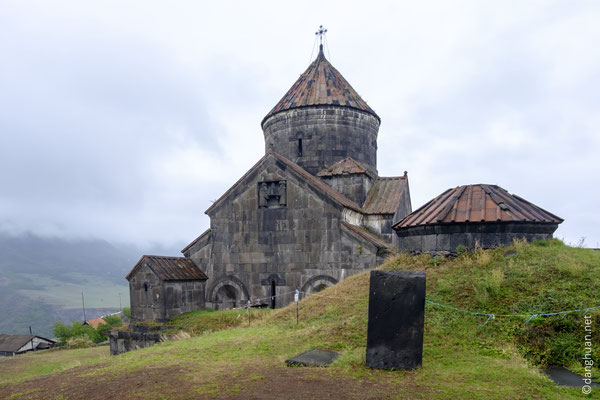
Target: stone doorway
[(228, 296)]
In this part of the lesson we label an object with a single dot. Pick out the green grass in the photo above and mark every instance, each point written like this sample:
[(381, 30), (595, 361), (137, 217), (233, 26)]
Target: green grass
[(23, 367), (461, 359)]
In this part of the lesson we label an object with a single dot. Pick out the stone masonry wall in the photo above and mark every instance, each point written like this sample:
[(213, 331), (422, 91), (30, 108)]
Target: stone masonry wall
[(155, 300), (145, 296), (328, 133), (292, 246), (446, 238), (355, 186)]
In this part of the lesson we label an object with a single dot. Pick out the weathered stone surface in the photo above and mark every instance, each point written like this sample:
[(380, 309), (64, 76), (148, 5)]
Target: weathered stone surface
[(313, 358), (124, 341), (328, 133), (154, 300), (283, 245), (396, 319), (435, 238)]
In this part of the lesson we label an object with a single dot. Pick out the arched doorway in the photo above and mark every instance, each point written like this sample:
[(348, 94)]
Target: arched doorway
[(318, 283), (228, 296), (228, 292)]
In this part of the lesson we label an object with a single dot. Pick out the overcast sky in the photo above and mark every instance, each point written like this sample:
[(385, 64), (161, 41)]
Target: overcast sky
[(123, 120)]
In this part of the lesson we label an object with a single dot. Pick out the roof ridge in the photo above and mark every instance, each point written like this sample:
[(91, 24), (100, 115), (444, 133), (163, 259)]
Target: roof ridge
[(467, 204)]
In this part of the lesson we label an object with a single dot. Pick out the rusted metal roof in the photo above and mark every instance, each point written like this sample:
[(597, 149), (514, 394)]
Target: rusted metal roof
[(170, 268), (380, 243), (313, 180), (477, 203), (95, 322), (202, 236), (346, 166), (385, 195), (321, 84)]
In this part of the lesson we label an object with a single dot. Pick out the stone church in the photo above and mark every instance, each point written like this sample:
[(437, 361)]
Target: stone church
[(311, 212), (314, 210)]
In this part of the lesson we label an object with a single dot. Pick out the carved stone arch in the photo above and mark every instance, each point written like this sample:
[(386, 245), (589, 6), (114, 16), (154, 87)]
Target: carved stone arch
[(228, 291), (317, 283)]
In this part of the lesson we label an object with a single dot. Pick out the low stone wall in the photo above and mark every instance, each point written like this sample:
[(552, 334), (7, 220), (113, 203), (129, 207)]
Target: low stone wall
[(446, 238), (124, 341)]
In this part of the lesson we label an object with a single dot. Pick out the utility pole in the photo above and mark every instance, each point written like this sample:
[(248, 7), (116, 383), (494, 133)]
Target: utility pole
[(83, 304)]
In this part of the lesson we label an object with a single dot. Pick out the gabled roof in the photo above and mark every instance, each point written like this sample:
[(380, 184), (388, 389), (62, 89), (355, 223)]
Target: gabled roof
[(321, 84), (380, 243), (385, 195), (12, 343), (346, 166), (477, 203), (307, 176), (170, 268), (199, 238)]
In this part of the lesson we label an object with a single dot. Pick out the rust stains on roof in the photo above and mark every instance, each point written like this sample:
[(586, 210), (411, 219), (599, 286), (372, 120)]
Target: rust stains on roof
[(170, 268), (346, 166), (477, 203), (385, 195), (380, 243), (321, 84)]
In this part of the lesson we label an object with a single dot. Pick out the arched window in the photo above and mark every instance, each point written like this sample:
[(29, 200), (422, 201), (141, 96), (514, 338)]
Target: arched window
[(300, 147)]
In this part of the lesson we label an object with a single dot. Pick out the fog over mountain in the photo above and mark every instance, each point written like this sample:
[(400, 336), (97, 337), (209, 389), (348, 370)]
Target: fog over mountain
[(122, 121), (42, 279)]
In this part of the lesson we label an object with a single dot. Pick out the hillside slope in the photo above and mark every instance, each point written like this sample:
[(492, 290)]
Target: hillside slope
[(461, 358), (41, 279)]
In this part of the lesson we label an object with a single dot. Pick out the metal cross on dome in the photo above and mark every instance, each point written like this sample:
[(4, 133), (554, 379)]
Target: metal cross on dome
[(320, 33)]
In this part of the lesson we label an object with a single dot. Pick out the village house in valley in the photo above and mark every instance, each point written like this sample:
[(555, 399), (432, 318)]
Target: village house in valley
[(11, 345)]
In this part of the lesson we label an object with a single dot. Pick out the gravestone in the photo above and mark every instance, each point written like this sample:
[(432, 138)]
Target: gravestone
[(314, 358), (396, 319)]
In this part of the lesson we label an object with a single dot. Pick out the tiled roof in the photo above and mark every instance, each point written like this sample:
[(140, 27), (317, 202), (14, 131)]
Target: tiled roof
[(170, 268), (477, 203), (321, 84), (202, 235), (95, 322), (316, 182), (346, 166), (385, 195), (369, 236)]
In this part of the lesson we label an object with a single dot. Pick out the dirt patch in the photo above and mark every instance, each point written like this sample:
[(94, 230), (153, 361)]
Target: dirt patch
[(181, 382)]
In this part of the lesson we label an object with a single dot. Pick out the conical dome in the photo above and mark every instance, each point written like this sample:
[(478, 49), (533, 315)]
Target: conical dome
[(322, 120), (321, 84)]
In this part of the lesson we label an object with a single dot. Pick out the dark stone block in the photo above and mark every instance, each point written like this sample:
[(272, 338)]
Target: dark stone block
[(313, 358), (396, 319)]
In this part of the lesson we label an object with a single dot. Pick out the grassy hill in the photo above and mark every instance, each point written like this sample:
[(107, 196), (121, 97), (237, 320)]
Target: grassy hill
[(229, 359)]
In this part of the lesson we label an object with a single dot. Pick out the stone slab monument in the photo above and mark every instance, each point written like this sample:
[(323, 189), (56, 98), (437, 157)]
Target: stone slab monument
[(396, 319)]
